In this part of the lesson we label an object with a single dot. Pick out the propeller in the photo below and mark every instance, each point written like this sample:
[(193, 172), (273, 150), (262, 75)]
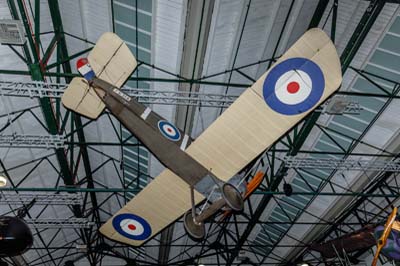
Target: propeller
[(251, 187), (382, 241)]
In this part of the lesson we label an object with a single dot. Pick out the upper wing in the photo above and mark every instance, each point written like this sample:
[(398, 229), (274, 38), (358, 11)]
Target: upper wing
[(81, 98), (111, 59), (241, 133), (267, 110)]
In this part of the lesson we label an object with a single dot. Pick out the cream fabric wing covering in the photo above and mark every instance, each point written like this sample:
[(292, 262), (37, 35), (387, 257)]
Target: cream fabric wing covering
[(81, 98), (160, 203), (249, 125), (241, 133), (111, 59)]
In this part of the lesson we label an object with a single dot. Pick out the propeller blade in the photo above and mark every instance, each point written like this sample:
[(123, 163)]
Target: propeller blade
[(382, 241)]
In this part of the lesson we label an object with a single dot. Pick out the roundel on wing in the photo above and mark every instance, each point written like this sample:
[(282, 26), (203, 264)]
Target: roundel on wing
[(132, 226), (294, 86)]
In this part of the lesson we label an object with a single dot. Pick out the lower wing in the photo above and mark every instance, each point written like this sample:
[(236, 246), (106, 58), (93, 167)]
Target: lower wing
[(159, 204)]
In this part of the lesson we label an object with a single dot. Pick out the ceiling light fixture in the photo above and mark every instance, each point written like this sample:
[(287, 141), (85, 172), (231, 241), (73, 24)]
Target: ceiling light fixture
[(3, 181)]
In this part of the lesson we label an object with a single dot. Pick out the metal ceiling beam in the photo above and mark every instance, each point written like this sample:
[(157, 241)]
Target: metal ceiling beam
[(318, 13), (36, 70), (339, 221), (186, 81), (257, 192), (58, 29), (32, 141), (41, 199), (46, 223), (343, 164), (198, 21), (197, 27), (36, 74), (46, 105)]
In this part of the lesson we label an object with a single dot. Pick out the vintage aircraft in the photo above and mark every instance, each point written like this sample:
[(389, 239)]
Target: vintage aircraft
[(304, 77), (386, 237)]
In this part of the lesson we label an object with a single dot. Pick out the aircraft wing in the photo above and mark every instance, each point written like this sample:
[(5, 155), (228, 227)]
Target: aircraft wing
[(297, 83), (303, 78), (160, 203)]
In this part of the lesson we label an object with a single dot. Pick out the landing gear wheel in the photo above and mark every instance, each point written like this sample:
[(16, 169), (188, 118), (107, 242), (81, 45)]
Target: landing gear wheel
[(196, 231), (232, 197)]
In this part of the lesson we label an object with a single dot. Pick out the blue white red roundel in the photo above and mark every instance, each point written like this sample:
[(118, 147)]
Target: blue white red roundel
[(132, 226), (294, 86), (169, 130)]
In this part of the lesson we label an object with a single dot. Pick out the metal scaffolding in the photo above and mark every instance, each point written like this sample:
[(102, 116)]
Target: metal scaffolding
[(40, 89), (32, 141), (41, 199), (343, 164), (41, 223)]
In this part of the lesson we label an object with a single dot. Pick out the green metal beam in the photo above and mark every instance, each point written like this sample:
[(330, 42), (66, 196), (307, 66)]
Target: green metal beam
[(49, 51), (361, 32), (59, 32), (14, 15), (334, 19), (36, 74), (257, 192), (69, 58), (29, 34), (37, 22), (58, 29), (318, 13)]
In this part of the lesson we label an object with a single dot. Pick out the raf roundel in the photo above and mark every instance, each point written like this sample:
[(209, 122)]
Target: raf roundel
[(294, 86), (132, 226), (169, 130)]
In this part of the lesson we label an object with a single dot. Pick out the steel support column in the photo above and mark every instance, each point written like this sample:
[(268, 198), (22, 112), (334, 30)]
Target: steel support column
[(58, 30)]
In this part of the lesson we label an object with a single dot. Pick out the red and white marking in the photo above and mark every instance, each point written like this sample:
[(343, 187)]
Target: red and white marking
[(293, 87), (132, 227), (83, 66)]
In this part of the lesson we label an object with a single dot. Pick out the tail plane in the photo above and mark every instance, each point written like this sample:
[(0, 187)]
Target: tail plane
[(110, 60)]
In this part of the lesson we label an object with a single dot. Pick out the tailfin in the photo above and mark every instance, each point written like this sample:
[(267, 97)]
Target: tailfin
[(85, 69)]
